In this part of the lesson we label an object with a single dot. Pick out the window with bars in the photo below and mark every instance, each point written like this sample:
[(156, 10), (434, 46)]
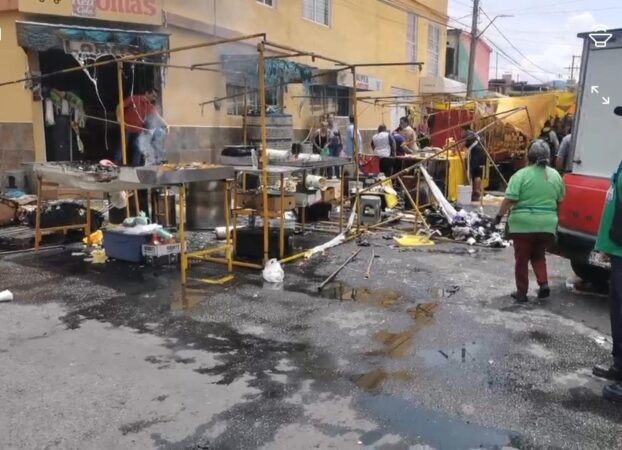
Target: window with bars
[(330, 99), (411, 38), (236, 102), (267, 2), (317, 11), (235, 98), (434, 50)]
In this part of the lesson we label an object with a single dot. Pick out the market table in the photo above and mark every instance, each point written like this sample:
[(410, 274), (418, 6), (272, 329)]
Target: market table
[(97, 178)]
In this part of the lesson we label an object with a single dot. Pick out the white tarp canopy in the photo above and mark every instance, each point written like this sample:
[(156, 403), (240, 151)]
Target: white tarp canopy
[(441, 85)]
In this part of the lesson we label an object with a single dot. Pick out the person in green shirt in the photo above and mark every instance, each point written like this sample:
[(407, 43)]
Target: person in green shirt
[(609, 241), (533, 196)]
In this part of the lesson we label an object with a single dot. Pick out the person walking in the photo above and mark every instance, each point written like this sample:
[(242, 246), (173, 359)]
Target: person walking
[(609, 241), (533, 196)]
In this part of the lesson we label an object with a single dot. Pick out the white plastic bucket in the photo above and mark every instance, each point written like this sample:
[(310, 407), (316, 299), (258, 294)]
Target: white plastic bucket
[(465, 194)]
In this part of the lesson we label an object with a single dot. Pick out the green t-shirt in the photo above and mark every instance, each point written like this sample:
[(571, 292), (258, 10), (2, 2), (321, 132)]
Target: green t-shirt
[(603, 242), (537, 192)]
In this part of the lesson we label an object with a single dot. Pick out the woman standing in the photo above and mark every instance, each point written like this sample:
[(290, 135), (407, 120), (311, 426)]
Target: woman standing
[(321, 138), (533, 196)]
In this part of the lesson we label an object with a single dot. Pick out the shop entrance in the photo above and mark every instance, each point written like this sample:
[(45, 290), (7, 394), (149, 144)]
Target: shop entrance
[(98, 94)]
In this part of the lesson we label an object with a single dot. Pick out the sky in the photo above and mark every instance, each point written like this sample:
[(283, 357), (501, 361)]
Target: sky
[(541, 37)]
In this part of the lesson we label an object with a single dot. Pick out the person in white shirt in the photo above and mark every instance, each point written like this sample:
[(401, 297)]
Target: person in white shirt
[(383, 146)]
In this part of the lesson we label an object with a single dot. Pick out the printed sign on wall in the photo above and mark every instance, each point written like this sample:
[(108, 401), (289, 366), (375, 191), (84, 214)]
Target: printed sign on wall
[(134, 11)]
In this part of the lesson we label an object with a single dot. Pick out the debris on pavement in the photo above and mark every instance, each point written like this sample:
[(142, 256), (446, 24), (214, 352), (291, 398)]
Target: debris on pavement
[(273, 272), (6, 296)]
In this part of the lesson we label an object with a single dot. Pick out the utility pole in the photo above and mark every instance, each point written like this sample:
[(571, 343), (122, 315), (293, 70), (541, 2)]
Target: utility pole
[(572, 67), (472, 53)]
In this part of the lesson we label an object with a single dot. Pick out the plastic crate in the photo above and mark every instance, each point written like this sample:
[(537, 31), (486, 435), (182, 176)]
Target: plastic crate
[(125, 247)]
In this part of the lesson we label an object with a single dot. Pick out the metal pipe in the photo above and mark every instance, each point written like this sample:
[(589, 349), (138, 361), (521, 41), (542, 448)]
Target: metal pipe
[(313, 55), (357, 146), (332, 276), (138, 56), (264, 150), (389, 64), (121, 112)]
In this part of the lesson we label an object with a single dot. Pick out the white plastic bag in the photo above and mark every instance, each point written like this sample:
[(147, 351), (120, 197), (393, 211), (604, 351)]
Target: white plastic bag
[(273, 272)]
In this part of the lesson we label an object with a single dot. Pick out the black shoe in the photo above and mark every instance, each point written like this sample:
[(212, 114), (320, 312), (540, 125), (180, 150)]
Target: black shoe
[(520, 298), (612, 373), (544, 291), (613, 392)]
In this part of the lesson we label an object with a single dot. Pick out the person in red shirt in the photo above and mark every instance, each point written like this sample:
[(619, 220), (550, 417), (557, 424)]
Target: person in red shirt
[(139, 113)]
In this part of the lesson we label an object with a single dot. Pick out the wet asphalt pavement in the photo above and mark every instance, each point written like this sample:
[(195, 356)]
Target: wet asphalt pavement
[(429, 352)]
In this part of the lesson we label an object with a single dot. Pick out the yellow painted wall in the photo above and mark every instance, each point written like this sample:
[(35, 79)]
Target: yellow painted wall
[(361, 31), (16, 102)]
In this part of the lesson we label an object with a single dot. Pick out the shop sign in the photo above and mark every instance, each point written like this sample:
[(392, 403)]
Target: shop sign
[(363, 82), (92, 50), (134, 11)]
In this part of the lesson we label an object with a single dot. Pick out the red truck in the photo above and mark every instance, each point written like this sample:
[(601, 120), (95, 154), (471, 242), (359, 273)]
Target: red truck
[(596, 152)]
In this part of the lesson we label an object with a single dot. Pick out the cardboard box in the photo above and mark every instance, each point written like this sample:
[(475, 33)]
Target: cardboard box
[(246, 200), (274, 202)]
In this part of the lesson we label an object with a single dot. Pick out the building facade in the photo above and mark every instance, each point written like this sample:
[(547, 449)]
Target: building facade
[(47, 37), (458, 55)]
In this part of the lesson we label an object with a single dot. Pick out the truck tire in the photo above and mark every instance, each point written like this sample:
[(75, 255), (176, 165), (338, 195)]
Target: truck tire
[(595, 275)]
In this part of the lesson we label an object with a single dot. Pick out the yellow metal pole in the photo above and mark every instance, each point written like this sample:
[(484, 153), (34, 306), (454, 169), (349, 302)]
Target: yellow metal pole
[(264, 150), (38, 214), (245, 112), (282, 219), (228, 251), (357, 149), (182, 234), (121, 112), (121, 119), (341, 196), (167, 213), (87, 231)]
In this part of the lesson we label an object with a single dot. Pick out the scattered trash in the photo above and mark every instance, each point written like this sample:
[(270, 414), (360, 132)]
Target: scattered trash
[(273, 272), (221, 280), (363, 243), (413, 240), (99, 256), (96, 238), (77, 254), (6, 296), (371, 261)]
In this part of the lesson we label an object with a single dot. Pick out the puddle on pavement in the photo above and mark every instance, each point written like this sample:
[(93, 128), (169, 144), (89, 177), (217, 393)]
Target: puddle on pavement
[(398, 345), (466, 353), (187, 298), (344, 293), (373, 380), (422, 426)]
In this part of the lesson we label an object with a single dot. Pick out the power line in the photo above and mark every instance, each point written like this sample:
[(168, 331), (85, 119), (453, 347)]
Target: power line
[(512, 10), (466, 5), (516, 48), (534, 13)]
